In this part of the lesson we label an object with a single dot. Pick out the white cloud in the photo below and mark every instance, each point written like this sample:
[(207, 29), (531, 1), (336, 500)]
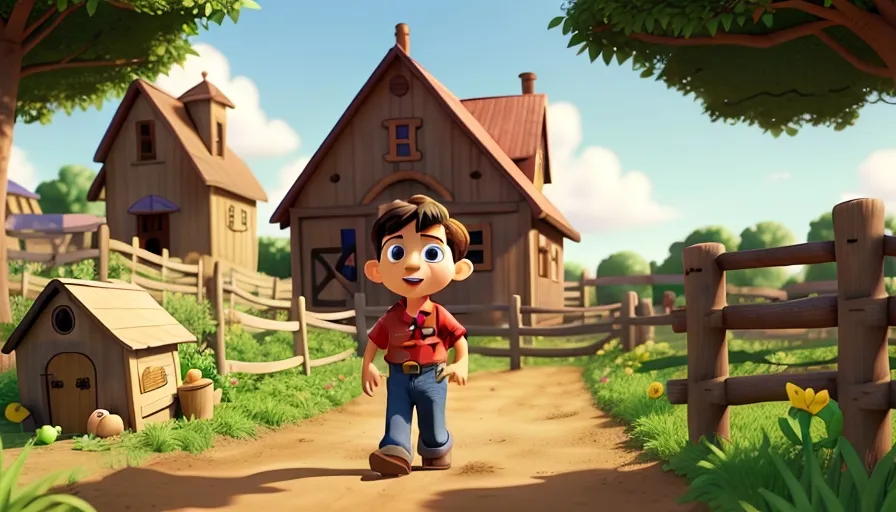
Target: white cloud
[(250, 132), (287, 176), (589, 185), (877, 178), (21, 170), (776, 177)]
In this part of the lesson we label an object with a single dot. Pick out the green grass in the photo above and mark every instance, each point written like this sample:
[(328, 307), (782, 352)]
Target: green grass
[(661, 428)]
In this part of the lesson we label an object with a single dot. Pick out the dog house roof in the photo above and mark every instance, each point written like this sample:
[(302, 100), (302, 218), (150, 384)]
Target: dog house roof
[(126, 311)]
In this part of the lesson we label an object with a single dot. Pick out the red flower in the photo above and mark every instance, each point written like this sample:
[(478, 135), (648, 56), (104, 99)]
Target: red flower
[(328, 386)]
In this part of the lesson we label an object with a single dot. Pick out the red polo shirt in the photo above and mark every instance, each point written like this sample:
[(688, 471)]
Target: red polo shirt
[(425, 339)]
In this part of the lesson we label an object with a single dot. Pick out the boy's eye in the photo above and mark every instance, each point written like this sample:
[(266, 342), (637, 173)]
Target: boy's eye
[(395, 253), (432, 253)]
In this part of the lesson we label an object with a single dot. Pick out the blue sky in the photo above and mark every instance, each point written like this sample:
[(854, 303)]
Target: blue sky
[(308, 60)]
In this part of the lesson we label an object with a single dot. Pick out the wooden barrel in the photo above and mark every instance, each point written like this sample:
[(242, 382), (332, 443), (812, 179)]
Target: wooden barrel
[(197, 399)]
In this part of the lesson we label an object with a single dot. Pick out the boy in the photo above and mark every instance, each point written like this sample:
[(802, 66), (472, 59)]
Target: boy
[(420, 250)]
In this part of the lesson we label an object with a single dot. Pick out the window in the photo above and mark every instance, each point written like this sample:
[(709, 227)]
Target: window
[(146, 141), (480, 251), (544, 267), (219, 138), (231, 219), (403, 140), (555, 263)]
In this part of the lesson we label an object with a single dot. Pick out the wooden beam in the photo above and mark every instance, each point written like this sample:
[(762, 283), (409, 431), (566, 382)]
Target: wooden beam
[(801, 254), (370, 210), (390, 179), (754, 389), (809, 313)]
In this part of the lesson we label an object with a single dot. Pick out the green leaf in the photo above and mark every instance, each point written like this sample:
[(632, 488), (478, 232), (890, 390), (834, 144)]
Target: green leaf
[(647, 73), (576, 40), (622, 56), (251, 4), (768, 18), (638, 21), (218, 17), (555, 22), (607, 55), (777, 503), (793, 485), (727, 18), (209, 8), (824, 491), (188, 3), (10, 475), (664, 20), (91, 7), (855, 466), (877, 483), (583, 49), (234, 15), (61, 4), (747, 507), (567, 26), (712, 26), (649, 23), (786, 427), (593, 51)]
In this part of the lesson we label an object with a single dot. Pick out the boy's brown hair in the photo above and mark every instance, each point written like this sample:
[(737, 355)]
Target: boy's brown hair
[(426, 212)]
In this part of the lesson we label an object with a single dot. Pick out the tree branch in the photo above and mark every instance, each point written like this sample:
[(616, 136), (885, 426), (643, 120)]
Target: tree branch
[(824, 13), (67, 64), (40, 36), (857, 63), (887, 9), (748, 40), (18, 20), (40, 21)]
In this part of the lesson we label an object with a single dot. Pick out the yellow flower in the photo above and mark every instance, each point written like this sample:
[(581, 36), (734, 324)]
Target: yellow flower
[(655, 390), (807, 400), (645, 357), (618, 360), (629, 371), (601, 352)]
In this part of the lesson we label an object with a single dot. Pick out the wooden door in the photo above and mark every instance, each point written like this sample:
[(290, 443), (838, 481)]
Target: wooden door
[(153, 232), (333, 253), (71, 386)]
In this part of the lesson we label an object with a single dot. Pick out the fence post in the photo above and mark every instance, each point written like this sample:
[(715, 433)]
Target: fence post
[(25, 283), (164, 273), (102, 243), (584, 296), (861, 323), (200, 281), (704, 291), (628, 331), (220, 355), (274, 288), (361, 322), (668, 301), (300, 337), (135, 246), (645, 332), (513, 323)]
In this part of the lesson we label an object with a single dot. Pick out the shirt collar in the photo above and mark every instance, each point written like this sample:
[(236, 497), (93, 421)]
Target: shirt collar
[(425, 309)]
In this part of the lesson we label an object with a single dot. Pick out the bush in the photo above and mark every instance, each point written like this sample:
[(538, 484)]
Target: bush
[(274, 256)]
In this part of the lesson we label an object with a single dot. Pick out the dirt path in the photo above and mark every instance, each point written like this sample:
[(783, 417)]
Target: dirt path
[(527, 441)]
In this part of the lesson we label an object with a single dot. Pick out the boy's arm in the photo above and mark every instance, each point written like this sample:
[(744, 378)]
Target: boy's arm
[(461, 349), (369, 354)]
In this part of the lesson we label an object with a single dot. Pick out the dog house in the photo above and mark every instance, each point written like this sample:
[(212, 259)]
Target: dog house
[(87, 345)]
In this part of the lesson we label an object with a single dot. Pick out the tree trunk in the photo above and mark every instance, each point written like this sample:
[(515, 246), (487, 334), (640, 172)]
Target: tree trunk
[(10, 71)]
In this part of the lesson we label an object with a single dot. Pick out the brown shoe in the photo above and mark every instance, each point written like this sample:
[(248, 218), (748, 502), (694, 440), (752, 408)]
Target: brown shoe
[(389, 464), (440, 463)]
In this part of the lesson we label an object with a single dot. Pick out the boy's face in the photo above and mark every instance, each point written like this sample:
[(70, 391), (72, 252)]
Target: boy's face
[(416, 264)]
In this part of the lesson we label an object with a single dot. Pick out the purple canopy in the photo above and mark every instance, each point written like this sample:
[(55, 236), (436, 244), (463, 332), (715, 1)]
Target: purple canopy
[(15, 189), (153, 204), (54, 222)]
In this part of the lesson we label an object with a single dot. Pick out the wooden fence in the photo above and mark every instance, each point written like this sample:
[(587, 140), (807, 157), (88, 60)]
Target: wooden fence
[(861, 312)]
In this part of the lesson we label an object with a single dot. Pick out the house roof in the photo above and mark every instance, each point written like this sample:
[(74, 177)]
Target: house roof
[(13, 188), (541, 206), (205, 90), (517, 123), (229, 173), (53, 222), (126, 311), (153, 204)]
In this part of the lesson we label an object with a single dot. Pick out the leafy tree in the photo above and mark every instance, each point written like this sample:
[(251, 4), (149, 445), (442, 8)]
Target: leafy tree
[(625, 263), (572, 271), (762, 236), (63, 54), (68, 192), (778, 64), (274, 256), (821, 230), (673, 263)]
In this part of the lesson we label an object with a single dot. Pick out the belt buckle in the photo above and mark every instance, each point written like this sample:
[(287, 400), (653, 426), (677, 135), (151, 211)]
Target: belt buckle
[(410, 368)]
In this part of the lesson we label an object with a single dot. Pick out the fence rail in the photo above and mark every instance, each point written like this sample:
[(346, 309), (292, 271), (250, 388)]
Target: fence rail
[(861, 312)]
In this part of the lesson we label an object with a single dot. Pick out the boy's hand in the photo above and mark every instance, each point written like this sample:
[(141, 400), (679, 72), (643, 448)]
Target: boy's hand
[(458, 373), (370, 379)]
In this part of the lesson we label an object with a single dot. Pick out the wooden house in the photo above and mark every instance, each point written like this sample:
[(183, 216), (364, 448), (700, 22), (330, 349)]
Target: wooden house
[(405, 133), (87, 345), (169, 178), (19, 200)]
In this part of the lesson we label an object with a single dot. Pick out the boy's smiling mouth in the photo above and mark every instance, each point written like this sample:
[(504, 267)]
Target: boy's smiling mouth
[(413, 281)]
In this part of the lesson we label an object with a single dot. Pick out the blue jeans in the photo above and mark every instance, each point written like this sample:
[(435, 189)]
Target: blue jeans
[(406, 392)]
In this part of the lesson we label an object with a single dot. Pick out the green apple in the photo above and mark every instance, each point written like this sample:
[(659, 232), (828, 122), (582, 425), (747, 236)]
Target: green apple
[(47, 434)]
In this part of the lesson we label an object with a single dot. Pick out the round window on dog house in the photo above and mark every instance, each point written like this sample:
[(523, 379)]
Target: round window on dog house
[(63, 320)]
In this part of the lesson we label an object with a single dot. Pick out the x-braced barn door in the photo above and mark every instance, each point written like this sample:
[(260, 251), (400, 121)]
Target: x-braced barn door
[(333, 254)]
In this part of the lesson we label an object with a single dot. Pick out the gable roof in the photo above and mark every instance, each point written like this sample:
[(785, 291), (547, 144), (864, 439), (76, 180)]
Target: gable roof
[(126, 311), (205, 90), (542, 208), (14, 189), (229, 173), (517, 123)]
